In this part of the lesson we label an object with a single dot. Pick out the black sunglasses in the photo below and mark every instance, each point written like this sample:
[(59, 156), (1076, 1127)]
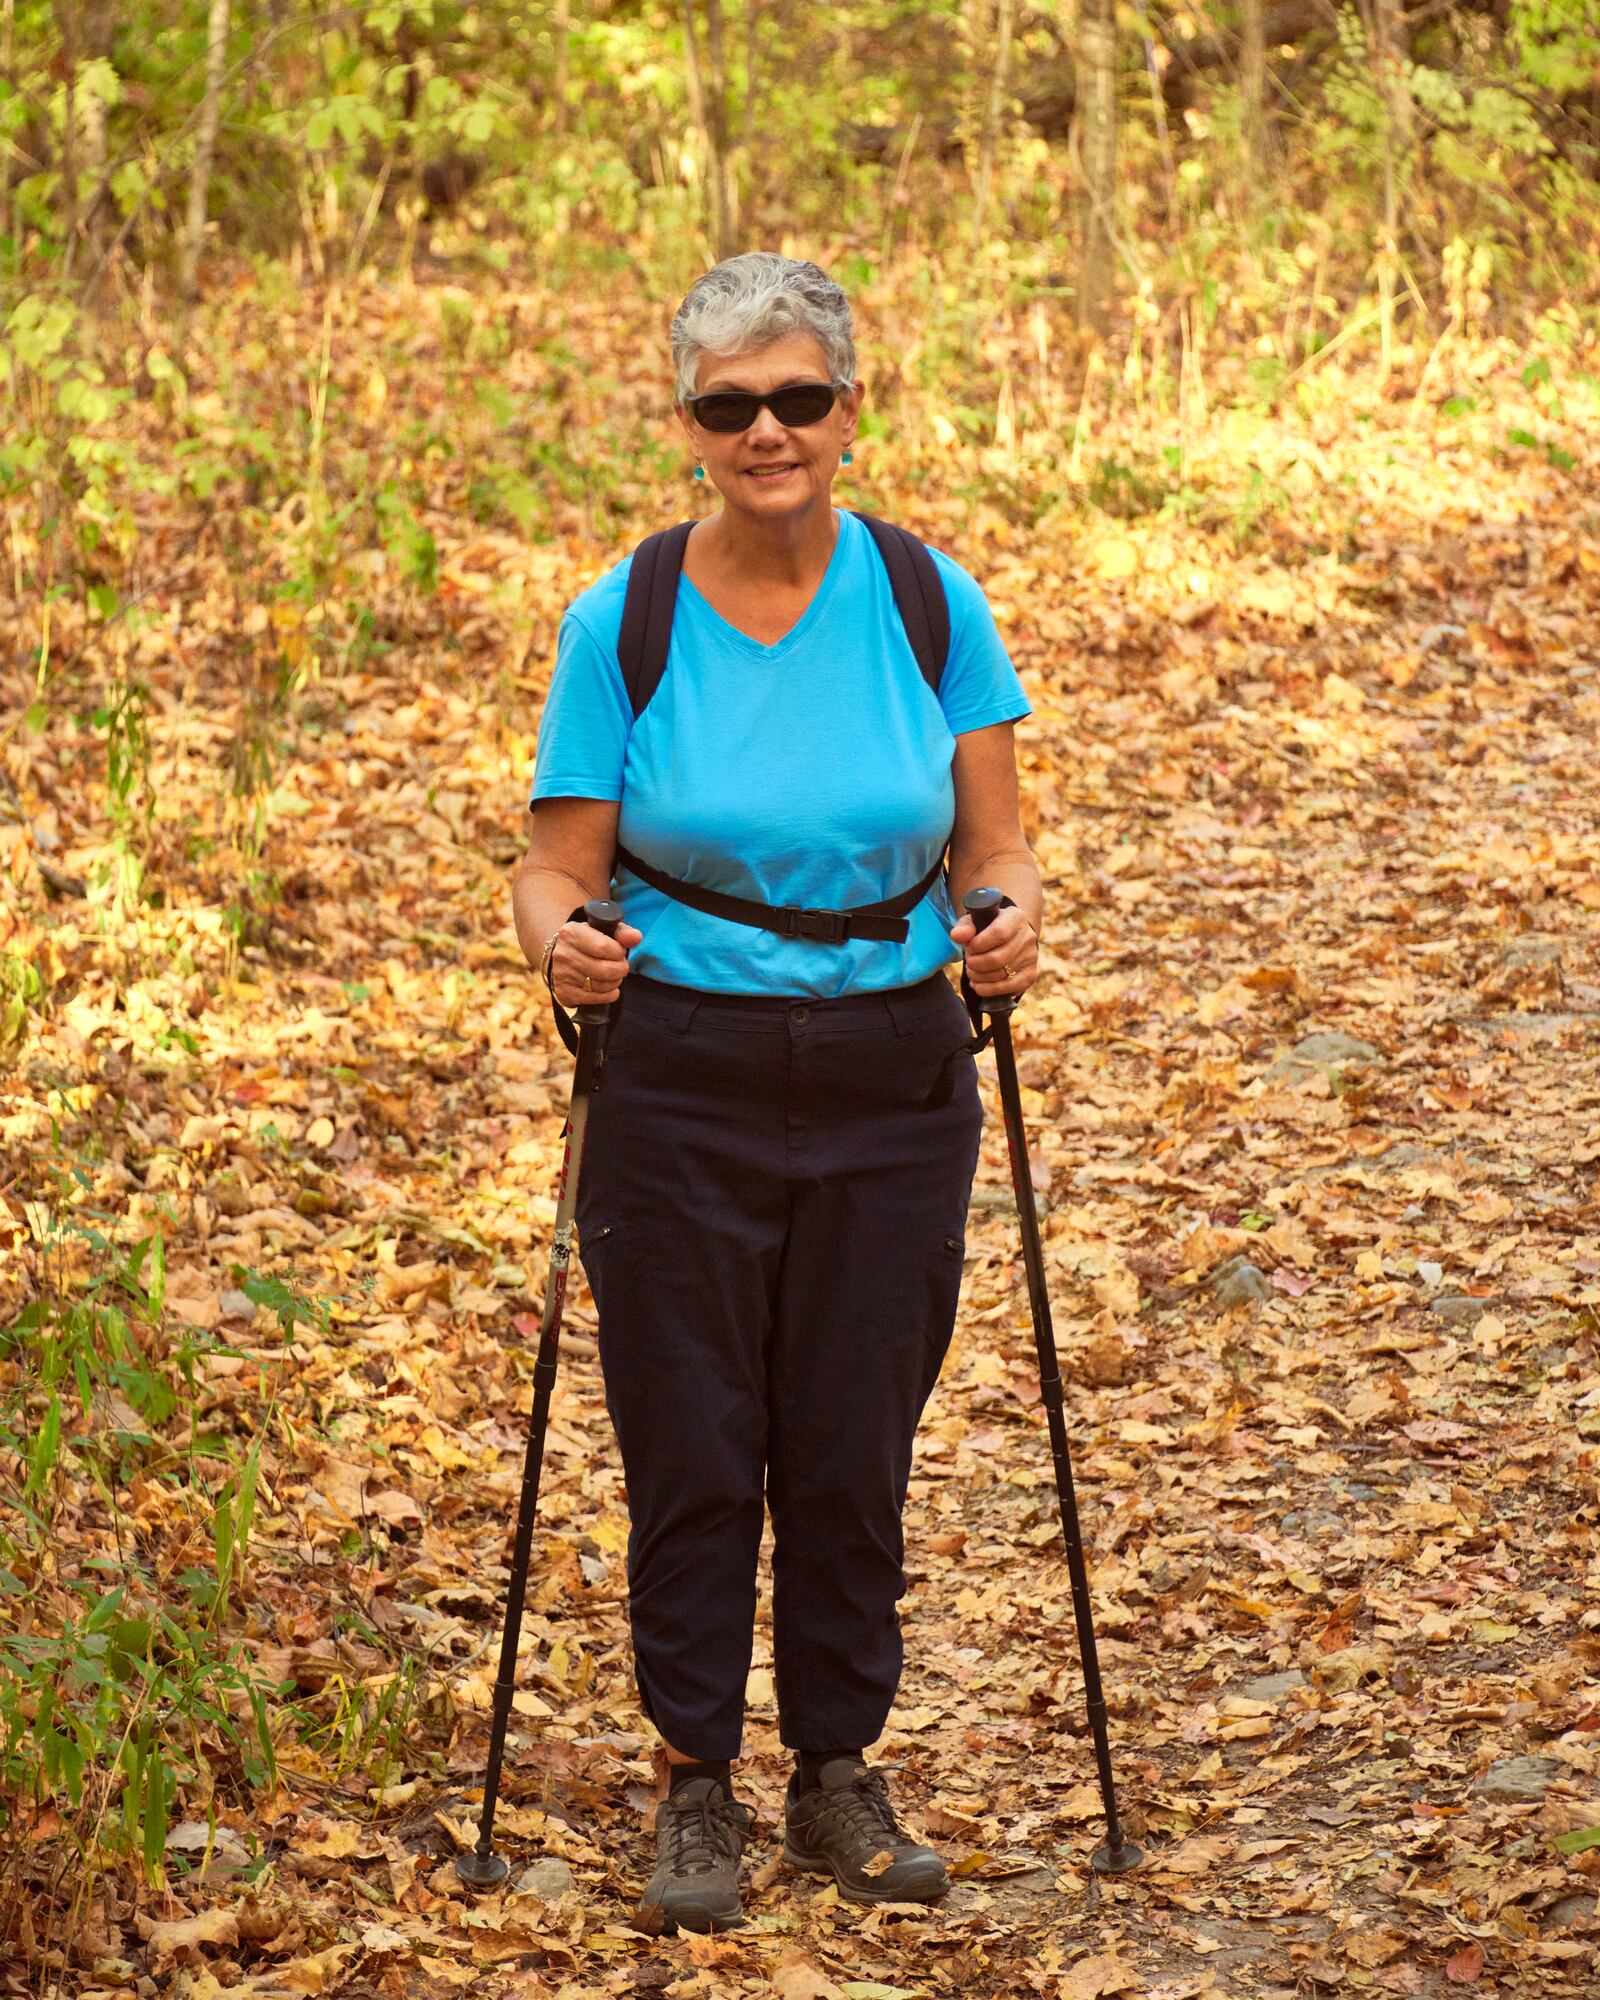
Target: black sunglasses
[(796, 406)]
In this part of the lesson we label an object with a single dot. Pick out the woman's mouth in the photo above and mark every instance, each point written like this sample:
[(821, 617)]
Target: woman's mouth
[(772, 472)]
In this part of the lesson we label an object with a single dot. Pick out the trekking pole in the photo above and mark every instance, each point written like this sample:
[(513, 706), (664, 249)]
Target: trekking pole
[(1119, 1853), (483, 1868)]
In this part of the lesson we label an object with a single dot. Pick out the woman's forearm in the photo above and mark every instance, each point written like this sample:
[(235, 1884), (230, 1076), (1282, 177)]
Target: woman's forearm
[(1013, 872), (542, 899)]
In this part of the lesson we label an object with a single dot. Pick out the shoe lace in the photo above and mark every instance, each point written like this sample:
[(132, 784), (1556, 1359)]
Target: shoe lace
[(866, 1808), (703, 1831)]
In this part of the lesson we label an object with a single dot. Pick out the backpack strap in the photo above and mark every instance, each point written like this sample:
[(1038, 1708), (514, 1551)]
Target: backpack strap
[(647, 609), (918, 594)]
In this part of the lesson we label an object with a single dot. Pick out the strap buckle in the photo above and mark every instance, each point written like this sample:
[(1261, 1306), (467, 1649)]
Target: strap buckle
[(822, 926)]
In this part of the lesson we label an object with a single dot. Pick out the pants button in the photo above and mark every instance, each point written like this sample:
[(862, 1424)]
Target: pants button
[(800, 1015)]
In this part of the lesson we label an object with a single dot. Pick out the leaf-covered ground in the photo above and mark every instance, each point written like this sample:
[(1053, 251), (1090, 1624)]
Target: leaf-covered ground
[(1319, 768)]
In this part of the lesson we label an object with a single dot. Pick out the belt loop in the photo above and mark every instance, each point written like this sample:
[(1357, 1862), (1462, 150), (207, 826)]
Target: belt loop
[(682, 1012), (908, 1005)]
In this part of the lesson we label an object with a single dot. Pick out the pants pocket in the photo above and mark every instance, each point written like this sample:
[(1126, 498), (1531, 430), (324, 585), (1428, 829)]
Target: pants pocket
[(945, 1266)]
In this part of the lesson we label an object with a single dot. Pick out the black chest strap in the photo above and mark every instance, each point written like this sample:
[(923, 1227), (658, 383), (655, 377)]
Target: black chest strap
[(881, 923)]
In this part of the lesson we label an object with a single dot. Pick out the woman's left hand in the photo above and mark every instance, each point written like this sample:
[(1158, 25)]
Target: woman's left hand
[(1003, 957)]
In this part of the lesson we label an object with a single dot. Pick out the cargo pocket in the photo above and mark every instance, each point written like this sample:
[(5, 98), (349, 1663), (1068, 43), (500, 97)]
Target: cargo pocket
[(591, 1245), (943, 1297)]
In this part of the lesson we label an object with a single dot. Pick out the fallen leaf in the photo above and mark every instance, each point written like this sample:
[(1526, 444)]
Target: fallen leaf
[(210, 1927), (329, 1838), (1195, 1857), (709, 1949), (1371, 1948), (323, 1971), (1090, 1978), (387, 1797), (381, 1937), (1116, 558), (1466, 1966), (1258, 1850), (798, 1978), (194, 1836)]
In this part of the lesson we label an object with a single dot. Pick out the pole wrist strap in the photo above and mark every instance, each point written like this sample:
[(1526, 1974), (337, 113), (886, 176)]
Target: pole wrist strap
[(982, 1036)]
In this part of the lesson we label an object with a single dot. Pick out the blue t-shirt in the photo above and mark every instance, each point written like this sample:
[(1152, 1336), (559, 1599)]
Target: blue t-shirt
[(815, 772)]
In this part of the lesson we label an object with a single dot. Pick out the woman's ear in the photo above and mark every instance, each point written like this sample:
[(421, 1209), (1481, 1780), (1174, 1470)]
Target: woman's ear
[(851, 406)]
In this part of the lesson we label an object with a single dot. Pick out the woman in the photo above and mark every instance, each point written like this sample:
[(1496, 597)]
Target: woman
[(776, 1176)]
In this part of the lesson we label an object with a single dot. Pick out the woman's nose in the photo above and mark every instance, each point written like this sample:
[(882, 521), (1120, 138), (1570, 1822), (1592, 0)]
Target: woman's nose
[(766, 429)]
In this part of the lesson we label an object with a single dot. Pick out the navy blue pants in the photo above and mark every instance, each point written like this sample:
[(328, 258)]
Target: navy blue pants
[(772, 1223)]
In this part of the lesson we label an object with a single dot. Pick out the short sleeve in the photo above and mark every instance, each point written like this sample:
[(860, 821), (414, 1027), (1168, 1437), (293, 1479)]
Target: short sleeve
[(980, 686), (583, 733)]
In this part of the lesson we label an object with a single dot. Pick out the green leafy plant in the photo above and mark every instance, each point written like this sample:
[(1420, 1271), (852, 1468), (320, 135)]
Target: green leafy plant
[(114, 1688)]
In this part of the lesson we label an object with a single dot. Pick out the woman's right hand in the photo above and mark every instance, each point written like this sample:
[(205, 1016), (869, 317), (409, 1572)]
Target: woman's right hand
[(583, 953)]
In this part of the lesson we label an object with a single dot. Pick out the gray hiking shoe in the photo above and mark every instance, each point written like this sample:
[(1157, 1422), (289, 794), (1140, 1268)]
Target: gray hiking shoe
[(700, 1835), (846, 1828)]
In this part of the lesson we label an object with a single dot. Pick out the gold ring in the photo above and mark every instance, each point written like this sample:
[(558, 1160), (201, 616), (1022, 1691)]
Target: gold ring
[(1005, 971), (588, 983)]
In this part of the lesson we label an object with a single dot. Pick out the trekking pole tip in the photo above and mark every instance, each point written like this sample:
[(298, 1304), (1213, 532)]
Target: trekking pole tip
[(482, 1871), (1116, 1859)]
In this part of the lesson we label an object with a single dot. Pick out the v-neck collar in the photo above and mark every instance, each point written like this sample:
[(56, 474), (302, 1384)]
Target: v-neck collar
[(802, 624)]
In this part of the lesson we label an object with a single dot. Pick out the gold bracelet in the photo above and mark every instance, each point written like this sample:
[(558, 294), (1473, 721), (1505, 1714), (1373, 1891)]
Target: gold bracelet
[(544, 963)]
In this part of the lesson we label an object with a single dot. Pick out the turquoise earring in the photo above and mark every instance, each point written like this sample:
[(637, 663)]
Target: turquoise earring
[(699, 472), (847, 456)]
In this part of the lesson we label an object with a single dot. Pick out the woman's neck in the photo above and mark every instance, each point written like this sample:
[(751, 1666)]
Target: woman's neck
[(784, 553)]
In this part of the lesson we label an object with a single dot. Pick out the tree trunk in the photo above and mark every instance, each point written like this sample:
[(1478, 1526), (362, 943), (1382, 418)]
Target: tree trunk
[(752, 24), (717, 96), (1395, 95), (1389, 36), (7, 57), (1253, 85), (563, 31), (1097, 79), (97, 34), (709, 105), (991, 119), (67, 28), (205, 146)]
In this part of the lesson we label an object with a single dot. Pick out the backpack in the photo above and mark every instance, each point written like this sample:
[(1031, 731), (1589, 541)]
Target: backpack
[(642, 645)]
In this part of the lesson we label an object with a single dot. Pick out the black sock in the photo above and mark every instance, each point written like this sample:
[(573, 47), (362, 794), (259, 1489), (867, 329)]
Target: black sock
[(809, 1763), (680, 1774)]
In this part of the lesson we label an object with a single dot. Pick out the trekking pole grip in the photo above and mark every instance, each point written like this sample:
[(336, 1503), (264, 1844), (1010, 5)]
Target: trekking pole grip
[(605, 916), (983, 906)]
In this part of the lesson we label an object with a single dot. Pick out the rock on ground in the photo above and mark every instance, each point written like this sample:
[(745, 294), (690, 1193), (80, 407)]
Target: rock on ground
[(1520, 1780), (546, 1879), (1239, 1283), (1330, 1051)]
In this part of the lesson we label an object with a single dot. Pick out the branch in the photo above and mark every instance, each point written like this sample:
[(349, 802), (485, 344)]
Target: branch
[(1287, 21)]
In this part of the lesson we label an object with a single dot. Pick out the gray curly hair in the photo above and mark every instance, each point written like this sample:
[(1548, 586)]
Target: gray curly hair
[(746, 302)]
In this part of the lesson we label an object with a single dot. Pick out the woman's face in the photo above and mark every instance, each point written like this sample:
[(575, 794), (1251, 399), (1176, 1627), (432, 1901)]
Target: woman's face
[(768, 470)]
